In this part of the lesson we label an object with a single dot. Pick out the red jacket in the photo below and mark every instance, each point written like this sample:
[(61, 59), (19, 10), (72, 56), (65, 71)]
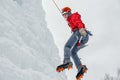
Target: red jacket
[(74, 21)]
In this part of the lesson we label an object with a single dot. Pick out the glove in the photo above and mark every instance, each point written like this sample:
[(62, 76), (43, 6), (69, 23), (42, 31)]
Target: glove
[(83, 32)]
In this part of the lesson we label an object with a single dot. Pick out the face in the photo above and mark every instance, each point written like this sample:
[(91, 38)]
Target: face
[(65, 15)]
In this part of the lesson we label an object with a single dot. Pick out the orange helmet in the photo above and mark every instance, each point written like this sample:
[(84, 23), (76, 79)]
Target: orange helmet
[(66, 10)]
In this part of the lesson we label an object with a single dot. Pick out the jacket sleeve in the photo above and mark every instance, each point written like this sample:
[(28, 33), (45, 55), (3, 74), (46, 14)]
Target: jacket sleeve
[(77, 21)]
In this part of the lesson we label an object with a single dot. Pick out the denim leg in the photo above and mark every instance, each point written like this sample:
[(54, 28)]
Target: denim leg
[(74, 55), (69, 45), (76, 59)]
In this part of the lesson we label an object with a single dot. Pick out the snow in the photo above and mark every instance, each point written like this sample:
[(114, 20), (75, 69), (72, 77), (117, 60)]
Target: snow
[(27, 48)]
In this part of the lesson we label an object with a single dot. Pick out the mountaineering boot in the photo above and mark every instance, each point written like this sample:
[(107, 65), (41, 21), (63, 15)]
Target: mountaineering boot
[(80, 73), (64, 66)]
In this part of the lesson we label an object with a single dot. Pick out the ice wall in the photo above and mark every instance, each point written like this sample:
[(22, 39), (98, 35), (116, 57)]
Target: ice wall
[(27, 49)]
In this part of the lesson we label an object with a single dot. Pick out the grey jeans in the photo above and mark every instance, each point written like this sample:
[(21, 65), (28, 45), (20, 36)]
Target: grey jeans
[(71, 48)]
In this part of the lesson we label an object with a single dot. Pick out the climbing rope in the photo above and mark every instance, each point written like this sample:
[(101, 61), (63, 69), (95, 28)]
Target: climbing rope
[(57, 6)]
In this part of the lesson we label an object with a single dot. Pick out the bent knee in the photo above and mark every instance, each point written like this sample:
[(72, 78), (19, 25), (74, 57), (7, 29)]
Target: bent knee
[(67, 48)]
